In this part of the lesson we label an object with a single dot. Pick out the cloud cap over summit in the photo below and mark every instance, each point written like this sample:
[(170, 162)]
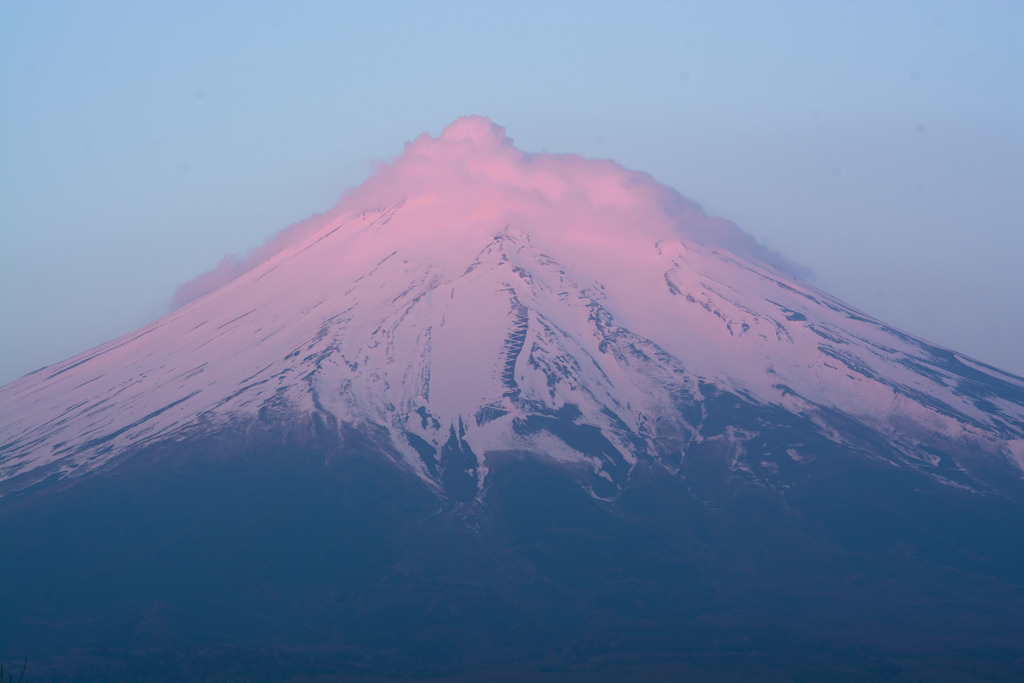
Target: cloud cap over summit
[(472, 176)]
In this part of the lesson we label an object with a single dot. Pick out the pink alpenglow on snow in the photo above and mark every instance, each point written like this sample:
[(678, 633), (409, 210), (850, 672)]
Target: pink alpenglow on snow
[(467, 286), (471, 177)]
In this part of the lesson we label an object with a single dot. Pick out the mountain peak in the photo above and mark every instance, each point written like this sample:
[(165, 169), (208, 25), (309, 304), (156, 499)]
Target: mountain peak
[(475, 172), (472, 180)]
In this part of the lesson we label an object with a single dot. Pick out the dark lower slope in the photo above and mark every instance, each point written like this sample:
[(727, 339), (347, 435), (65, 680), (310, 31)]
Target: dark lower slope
[(214, 561)]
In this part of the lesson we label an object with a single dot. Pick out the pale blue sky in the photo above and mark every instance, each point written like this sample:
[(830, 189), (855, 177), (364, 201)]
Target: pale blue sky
[(879, 143)]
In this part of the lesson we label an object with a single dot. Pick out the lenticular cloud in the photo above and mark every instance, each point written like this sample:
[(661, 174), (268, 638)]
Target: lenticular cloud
[(473, 176)]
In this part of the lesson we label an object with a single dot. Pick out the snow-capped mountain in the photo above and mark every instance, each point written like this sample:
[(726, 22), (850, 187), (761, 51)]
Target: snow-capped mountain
[(506, 416), (470, 295)]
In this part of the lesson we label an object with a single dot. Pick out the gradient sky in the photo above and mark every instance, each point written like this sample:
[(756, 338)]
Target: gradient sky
[(880, 144)]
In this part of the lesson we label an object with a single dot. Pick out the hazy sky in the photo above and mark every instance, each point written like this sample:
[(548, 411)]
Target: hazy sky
[(880, 144)]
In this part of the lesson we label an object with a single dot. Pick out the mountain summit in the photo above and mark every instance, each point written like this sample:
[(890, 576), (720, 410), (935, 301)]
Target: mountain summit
[(509, 412)]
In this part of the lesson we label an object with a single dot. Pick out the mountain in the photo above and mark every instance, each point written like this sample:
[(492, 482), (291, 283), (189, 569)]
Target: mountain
[(507, 414)]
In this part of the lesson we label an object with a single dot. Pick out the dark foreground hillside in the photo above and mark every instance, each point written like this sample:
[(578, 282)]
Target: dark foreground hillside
[(222, 563)]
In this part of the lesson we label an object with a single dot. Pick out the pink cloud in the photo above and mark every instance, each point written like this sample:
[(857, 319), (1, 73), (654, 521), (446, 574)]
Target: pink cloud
[(472, 174)]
